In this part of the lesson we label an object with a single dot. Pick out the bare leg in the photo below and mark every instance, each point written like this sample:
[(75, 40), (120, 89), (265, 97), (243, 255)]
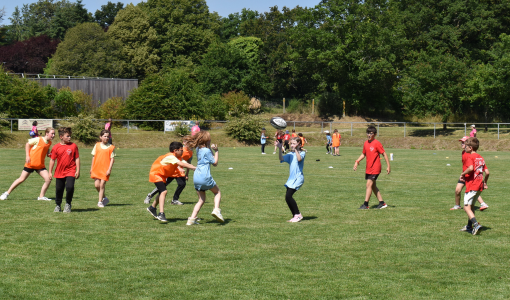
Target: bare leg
[(200, 203), (458, 190), (217, 196), (376, 191), (469, 211), (100, 185), (368, 192), (162, 197), (480, 200), (47, 180), (24, 175)]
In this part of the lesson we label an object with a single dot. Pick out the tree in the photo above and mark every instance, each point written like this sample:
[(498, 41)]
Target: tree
[(29, 56), (107, 14), (88, 51), (237, 24), (138, 39), (67, 15)]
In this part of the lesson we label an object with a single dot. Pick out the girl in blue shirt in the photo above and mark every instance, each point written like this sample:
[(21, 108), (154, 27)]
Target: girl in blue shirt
[(263, 138), (202, 178), (329, 141), (295, 159)]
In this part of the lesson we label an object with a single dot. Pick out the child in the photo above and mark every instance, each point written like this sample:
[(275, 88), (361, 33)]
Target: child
[(328, 141), (293, 135), (473, 131), (279, 137), (101, 167), (371, 150), (67, 170), (202, 178), (296, 160), (475, 183), (36, 151), (34, 132), (336, 142), (164, 167), (263, 139), (462, 183), (108, 126), (286, 138), (303, 141), (179, 176)]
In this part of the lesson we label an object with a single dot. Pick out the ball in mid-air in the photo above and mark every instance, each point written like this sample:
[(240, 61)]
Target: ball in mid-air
[(278, 123)]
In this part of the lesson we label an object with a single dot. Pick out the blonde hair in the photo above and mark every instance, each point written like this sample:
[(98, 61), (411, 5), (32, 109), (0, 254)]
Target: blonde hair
[(199, 139), (48, 130)]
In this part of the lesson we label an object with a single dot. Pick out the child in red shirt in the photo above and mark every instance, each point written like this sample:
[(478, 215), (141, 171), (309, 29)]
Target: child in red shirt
[(371, 150), (475, 183), (68, 168), (286, 139)]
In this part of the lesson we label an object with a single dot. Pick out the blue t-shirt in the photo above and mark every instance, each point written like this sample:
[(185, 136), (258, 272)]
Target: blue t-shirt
[(202, 178), (263, 138), (329, 139), (296, 177)]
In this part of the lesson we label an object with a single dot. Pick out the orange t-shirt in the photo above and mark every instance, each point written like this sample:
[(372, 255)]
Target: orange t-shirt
[(187, 154), (102, 159), (37, 154), (293, 135), (336, 139), (302, 141), (161, 170)]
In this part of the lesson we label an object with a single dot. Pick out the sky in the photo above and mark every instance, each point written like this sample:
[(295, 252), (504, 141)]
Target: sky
[(222, 7)]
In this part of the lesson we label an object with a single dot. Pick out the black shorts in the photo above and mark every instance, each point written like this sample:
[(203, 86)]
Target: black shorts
[(161, 186), (32, 170), (371, 176), (461, 182), (279, 140)]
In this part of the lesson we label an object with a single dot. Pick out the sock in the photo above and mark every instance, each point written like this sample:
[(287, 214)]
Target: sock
[(365, 203), (483, 204), (473, 220), (469, 224)]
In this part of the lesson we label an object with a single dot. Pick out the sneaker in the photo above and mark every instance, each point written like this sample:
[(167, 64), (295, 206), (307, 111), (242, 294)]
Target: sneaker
[(67, 208), (105, 201), (327, 152), (484, 207), (476, 228), (263, 153), (274, 152), (382, 205), (466, 229), (176, 202), (363, 206), (216, 213), (43, 198), (192, 221), (100, 204), (161, 217), (456, 207), (296, 218), (147, 199), (57, 209), (153, 211), (4, 196)]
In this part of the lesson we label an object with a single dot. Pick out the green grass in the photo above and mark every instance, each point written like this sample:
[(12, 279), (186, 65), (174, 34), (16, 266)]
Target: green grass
[(410, 250)]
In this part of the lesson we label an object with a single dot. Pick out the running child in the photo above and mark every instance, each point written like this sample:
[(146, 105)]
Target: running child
[(336, 142), (202, 178), (294, 134), (263, 139), (162, 169), (36, 151), (68, 168), (303, 141), (279, 137), (286, 138), (328, 142), (371, 150), (101, 167), (461, 183), (475, 183), (34, 132), (296, 160), (179, 175)]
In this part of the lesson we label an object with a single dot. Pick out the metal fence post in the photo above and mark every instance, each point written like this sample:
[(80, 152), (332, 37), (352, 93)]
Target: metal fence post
[(351, 128), (464, 129), (128, 126), (330, 127), (294, 125), (404, 129), (434, 130), (322, 127), (378, 132), (498, 131), (11, 126)]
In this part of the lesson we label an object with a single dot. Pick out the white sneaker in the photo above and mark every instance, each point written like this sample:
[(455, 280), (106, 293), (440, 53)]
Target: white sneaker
[(43, 198), (100, 204), (263, 153), (192, 221), (274, 152), (105, 201), (216, 213), (4, 196), (147, 199), (484, 207)]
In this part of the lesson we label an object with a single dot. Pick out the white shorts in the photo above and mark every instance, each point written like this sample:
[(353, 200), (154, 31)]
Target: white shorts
[(471, 197)]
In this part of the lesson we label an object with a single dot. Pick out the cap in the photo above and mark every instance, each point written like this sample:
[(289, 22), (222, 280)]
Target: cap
[(263, 128), (473, 125), (464, 139), (326, 131), (286, 131)]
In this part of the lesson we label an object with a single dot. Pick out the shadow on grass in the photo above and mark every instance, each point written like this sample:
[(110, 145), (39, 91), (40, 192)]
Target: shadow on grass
[(84, 209), (309, 218), (118, 204), (430, 132), (224, 223)]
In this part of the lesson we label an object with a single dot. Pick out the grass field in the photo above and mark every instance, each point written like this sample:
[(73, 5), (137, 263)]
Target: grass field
[(411, 250)]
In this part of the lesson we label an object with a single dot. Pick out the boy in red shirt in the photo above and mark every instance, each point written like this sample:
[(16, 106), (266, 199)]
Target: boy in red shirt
[(462, 183), (475, 183), (67, 170), (286, 139), (371, 150)]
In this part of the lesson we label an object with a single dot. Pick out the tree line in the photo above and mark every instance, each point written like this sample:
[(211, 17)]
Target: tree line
[(401, 58)]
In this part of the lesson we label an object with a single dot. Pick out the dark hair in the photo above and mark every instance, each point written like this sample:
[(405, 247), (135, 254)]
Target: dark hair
[(371, 129), (473, 143), (300, 134), (298, 141), (104, 131), (64, 130), (174, 146), (34, 123)]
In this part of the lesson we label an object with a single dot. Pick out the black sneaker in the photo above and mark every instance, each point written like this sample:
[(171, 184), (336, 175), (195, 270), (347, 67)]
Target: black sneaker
[(57, 209), (466, 229), (476, 228), (153, 211), (162, 218), (363, 206), (382, 205)]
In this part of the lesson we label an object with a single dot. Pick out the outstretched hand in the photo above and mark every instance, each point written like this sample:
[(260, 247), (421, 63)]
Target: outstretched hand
[(214, 147)]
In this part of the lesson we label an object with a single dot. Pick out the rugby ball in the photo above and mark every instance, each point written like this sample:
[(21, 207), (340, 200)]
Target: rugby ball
[(278, 123)]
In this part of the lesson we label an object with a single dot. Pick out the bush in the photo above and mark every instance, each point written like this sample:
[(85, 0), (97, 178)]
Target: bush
[(238, 103), (245, 129), (63, 104), (330, 104), (113, 108), (85, 129), (3, 123), (215, 108), (84, 103), (181, 129)]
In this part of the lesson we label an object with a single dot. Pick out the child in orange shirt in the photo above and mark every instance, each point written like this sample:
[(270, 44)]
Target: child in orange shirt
[(163, 168), (336, 138), (303, 141), (36, 151), (101, 167), (293, 135)]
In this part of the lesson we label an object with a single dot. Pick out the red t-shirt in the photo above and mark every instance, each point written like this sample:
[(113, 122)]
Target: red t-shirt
[(475, 181), (286, 137), (66, 156), (465, 157), (372, 150)]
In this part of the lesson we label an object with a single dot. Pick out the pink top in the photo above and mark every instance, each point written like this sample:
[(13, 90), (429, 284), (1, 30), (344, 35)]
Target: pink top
[(472, 133), (194, 130), (107, 126)]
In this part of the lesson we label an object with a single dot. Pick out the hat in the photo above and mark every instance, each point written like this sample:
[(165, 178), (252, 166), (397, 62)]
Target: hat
[(286, 131), (464, 139), (326, 131), (263, 128), (473, 125)]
